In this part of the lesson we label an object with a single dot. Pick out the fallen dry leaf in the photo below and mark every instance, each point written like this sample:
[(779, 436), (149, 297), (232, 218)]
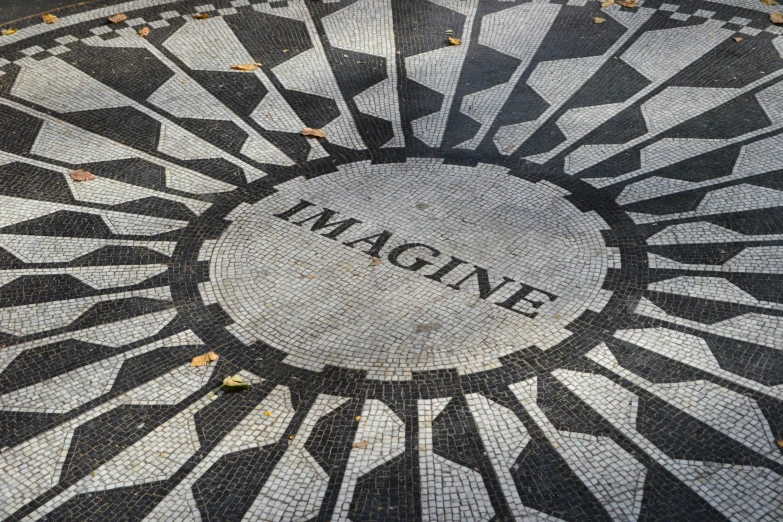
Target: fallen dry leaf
[(120, 17), (449, 31), (48, 18), (268, 413), (376, 261), (200, 16), (737, 39), (607, 3), (358, 417), (599, 20), (776, 17), (769, 2), (235, 383), (779, 442), (81, 175), (454, 41), (8, 32), (144, 31), (246, 66), (313, 133), (362, 444), (285, 50), (291, 437), (203, 360), (629, 3)]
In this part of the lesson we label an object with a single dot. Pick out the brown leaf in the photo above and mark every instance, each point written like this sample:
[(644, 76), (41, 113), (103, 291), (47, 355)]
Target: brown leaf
[(599, 20), (629, 3), (203, 360), (48, 18), (779, 442), (313, 133), (376, 261), (362, 444), (81, 175), (246, 67), (607, 3), (769, 2), (8, 32), (737, 39), (120, 17), (235, 383), (776, 17), (200, 16), (454, 41), (144, 31)]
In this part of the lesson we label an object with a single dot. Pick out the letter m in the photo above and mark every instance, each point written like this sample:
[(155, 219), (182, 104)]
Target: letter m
[(321, 220)]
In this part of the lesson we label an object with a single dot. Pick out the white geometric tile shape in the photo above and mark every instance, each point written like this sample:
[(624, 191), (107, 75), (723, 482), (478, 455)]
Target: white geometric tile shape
[(297, 485), (367, 27), (384, 433), (449, 491), (609, 472)]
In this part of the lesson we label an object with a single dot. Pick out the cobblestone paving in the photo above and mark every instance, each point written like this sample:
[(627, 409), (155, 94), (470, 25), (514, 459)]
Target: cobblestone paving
[(534, 276)]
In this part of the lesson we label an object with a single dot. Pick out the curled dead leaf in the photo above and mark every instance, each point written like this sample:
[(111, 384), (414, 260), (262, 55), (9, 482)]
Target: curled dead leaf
[(144, 31), (81, 175), (737, 39), (313, 133), (599, 20), (205, 359), (8, 32), (776, 17), (628, 3), (235, 383), (120, 17), (200, 16), (362, 444), (449, 31), (358, 417), (779, 442), (454, 41), (246, 66), (607, 3), (49, 18), (769, 2), (291, 437)]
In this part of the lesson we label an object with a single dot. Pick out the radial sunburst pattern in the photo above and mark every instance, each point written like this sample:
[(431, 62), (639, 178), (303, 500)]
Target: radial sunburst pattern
[(534, 276)]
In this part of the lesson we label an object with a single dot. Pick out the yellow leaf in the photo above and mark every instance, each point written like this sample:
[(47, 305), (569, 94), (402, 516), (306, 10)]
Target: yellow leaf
[(291, 437), (599, 20), (629, 3), (81, 175), (120, 17), (607, 3), (49, 18), (8, 32), (454, 41), (769, 2), (779, 442), (246, 67), (235, 383), (144, 31), (737, 39), (358, 417), (268, 413), (314, 133), (200, 16), (203, 360), (776, 17)]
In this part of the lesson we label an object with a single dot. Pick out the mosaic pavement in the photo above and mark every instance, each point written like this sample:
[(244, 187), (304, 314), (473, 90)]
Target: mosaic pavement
[(536, 276)]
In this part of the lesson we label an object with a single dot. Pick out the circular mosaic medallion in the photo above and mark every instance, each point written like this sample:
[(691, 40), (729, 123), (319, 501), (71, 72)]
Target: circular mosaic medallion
[(401, 268), (530, 270)]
